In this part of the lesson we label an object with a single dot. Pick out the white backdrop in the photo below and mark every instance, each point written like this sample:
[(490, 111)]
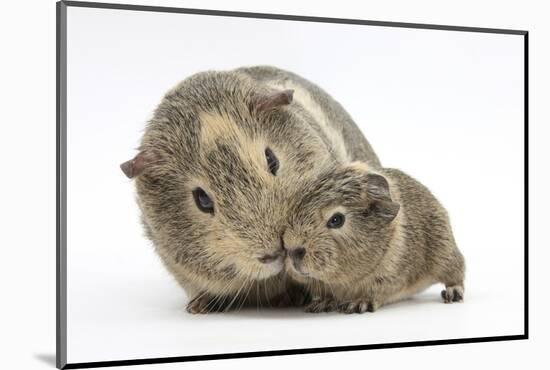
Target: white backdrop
[(28, 181), (446, 107)]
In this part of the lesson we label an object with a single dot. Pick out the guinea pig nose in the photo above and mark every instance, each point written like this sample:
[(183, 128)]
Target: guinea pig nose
[(297, 253)]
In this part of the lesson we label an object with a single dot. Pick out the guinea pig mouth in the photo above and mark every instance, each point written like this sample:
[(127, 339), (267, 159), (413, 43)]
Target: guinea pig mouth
[(272, 264), (294, 267)]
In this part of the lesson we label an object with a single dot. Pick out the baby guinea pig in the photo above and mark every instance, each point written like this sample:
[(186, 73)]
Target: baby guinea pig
[(361, 238), (215, 168)]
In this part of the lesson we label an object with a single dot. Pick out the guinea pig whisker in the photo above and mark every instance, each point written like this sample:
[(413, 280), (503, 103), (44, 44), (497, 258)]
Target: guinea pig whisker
[(221, 296), (265, 293), (242, 297), (199, 296), (257, 297), (245, 297), (236, 295), (216, 302)]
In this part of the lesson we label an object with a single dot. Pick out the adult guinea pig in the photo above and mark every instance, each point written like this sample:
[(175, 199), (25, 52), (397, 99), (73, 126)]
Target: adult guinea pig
[(214, 173), (365, 237)]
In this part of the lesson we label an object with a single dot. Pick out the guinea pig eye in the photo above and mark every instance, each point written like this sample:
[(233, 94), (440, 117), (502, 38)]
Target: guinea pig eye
[(203, 201), (272, 161), (336, 220)]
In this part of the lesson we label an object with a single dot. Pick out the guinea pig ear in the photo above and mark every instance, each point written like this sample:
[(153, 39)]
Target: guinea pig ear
[(138, 164), (378, 191), (268, 101)]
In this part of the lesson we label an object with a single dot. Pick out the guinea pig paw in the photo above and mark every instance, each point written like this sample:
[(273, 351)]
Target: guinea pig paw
[(321, 305), (357, 306), (452, 294), (203, 304)]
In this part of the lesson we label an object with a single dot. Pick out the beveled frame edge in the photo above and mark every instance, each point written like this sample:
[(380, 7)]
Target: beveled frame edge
[(302, 351), (61, 185), (288, 17)]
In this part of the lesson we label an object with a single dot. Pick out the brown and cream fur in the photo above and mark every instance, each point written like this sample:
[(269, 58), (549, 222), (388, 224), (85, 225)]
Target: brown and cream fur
[(396, 240), (211, 131)]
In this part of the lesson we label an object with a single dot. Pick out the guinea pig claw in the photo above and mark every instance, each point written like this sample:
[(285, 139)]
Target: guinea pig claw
[(357, 306), (452, 294)]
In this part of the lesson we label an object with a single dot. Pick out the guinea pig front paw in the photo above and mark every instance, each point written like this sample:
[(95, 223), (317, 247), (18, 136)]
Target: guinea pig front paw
[(452, 294), (205, 303), (357, 306), (317, 305)]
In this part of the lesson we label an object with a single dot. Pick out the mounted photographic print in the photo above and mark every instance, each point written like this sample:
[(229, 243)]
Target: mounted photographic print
[(237, 184)]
